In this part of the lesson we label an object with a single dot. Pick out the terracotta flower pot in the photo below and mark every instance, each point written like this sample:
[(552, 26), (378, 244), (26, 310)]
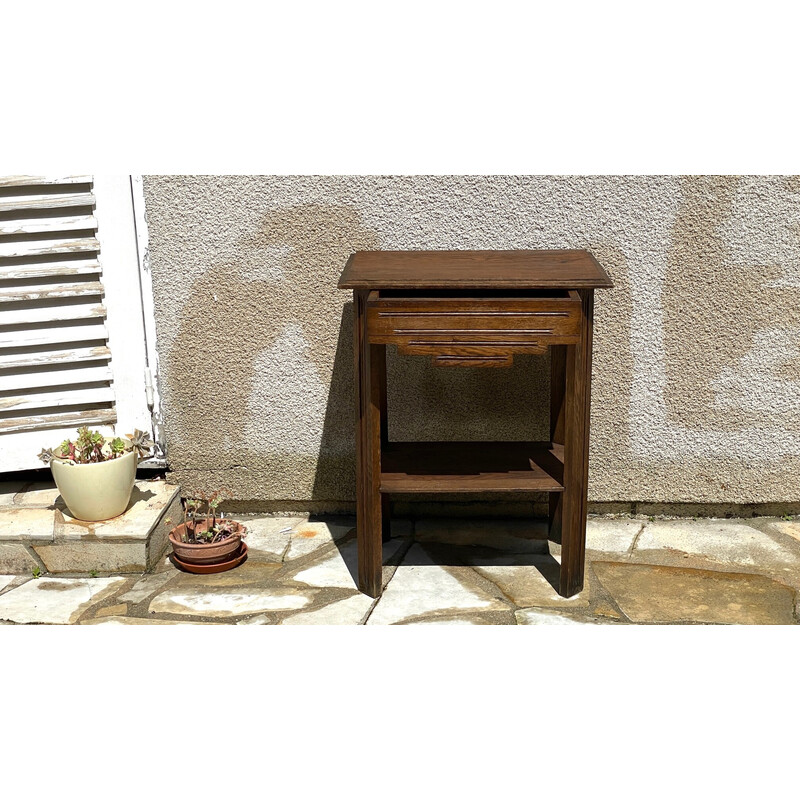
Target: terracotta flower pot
[(95, 492), (205, 553)]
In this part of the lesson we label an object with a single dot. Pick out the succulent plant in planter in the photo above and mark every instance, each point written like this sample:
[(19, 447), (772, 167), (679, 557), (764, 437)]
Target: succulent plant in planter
[(206, 541), (95, 474)]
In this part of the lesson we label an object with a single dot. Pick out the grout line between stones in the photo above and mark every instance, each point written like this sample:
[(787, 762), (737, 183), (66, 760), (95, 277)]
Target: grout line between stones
[(287, 545), (636, 540), (370, 610), (25, 487), (35, 556), (401, 556)]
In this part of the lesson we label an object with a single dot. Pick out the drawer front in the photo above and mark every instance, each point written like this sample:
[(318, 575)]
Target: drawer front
[(473, 331)]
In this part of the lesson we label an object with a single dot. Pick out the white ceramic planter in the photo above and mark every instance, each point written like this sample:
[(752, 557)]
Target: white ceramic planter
[(95, 492)]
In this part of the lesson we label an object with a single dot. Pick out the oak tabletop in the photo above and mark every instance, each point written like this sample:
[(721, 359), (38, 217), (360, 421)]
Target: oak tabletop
[(473, 269)]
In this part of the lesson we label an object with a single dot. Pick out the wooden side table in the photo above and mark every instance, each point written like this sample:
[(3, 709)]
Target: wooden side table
[(474, 309)]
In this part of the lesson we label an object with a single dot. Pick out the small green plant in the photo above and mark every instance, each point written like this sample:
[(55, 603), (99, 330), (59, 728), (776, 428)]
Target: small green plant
[(36, 572), (93, 573), (651, 519), (91, 447), (787, 517), (202, 522)]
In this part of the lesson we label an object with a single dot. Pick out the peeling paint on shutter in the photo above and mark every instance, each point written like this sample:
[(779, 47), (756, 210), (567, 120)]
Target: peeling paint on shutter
[(52, 317), (72, 343)]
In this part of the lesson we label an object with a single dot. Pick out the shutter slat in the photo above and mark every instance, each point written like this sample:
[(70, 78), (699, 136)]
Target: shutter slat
[(42, 180), (48, 269), (54, 357), (53, 314), (31, 202), (57, 398), (101, 416), (56, 377), (43, 247), (59, 335), (20, 294), (48, 225), (55, 368)]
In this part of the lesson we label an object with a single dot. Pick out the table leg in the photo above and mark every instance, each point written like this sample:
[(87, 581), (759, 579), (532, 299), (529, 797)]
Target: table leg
[(577, 386), (368, 452), (378, 366), (558, 367)]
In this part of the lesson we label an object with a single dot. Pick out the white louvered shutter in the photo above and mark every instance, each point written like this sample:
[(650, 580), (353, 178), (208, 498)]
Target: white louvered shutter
[(72, 342)]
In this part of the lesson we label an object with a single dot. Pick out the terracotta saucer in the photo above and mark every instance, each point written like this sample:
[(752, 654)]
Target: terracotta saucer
[(210, 569)]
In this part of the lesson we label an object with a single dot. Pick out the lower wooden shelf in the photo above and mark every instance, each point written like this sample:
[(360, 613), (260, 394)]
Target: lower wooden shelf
[(439, 467)]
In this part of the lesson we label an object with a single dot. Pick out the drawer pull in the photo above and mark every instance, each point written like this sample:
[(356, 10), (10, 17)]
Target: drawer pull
[(472, 361), (468, 343), (473, 313), (470, 354), (457, 331)]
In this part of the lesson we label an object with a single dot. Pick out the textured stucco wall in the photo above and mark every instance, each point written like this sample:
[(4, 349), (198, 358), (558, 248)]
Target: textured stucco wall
[(696, 394)]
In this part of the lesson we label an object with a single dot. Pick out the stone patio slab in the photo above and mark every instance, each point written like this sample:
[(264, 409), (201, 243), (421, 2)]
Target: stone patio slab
[(145, 587), (143, 621), (249, 574), (310, 536), (228, 602), (420, 586), (267, 538), (340, 570), (57, 601), (27, 524), (132, 542), (118, 610), (6, 580), (7, 491), (43, 494), (723, 541), (784, 528), (149, 502), (608, 535), (93, 556), (526, 580), (16, 559), (537, 616), (350, 611), (648, 593), (603, 608), (514, 535)]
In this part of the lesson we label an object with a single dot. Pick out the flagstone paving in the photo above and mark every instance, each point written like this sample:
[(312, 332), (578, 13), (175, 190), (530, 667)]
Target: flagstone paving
[(351, 611), (538, 616), (17, 559), (648, 593), (528, 580), (37, 530), (782, 527), (201, 602), (55, 600), (303, 571), (725, 541)]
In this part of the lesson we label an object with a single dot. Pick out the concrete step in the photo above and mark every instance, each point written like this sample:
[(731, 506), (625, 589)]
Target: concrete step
[(37, 530)]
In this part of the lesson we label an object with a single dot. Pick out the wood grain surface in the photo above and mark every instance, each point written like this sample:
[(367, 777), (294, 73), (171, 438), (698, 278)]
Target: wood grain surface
[(473, 269)]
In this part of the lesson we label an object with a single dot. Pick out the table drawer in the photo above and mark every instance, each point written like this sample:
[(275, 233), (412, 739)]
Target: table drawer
[(459, 329)]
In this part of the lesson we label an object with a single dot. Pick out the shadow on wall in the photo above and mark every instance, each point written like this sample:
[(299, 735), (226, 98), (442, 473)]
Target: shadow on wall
[(427, 403), (283, 341), (335, 473), (281, 428), (749, 312)]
